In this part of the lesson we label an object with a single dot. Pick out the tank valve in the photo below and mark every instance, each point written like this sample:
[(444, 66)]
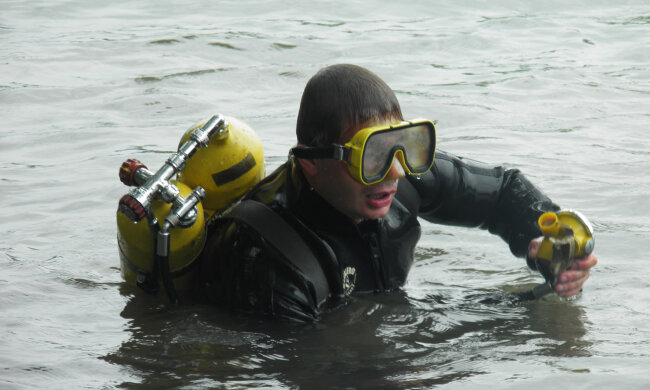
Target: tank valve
[(128, 171), (149, 186)]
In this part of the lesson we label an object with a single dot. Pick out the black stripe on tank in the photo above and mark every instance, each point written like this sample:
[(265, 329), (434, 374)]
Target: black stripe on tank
[(230, 174)]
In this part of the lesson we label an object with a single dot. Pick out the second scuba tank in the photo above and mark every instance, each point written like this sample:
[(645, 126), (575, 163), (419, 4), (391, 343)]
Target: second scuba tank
[(137, 243)]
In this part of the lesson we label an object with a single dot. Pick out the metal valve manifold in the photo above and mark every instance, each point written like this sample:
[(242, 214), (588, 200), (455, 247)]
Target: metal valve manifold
[(149, 186)]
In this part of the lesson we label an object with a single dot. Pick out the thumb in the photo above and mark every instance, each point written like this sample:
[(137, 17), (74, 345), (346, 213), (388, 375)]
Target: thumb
[(533, 247)]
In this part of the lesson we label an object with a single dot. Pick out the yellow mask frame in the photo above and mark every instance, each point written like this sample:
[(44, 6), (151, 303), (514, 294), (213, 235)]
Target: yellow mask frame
[(370, 153)]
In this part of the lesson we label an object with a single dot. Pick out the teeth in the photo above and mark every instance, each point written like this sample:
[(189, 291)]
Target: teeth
[(378, 196)]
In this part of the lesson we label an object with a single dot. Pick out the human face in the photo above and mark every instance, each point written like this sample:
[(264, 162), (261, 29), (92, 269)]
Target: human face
[(332, 180)]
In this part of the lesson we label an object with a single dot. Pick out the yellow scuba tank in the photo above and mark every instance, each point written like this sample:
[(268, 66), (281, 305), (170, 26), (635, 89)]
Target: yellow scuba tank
[(137, 240), (231, 172), (161, 221)]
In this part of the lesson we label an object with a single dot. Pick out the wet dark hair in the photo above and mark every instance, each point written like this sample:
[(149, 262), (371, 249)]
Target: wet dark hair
[(340, 97)]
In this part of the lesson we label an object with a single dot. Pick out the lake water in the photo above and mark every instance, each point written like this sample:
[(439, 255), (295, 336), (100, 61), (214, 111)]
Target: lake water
[(558, 89)]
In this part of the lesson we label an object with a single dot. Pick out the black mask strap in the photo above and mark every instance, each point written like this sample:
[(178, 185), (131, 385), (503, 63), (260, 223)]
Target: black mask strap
[(335, 152)]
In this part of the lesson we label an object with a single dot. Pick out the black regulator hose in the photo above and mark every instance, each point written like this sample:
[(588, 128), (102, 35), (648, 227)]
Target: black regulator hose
[(162, 261), (536, 292)]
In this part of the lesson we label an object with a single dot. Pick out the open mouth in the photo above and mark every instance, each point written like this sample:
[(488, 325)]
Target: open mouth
[(380, 196), (380, 199)]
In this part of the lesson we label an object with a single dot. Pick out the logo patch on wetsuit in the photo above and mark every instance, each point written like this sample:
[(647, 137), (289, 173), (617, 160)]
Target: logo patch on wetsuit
[(349, 280)]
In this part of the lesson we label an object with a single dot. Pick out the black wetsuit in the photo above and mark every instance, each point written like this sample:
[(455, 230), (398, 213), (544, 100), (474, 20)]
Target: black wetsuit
[(241, 270)]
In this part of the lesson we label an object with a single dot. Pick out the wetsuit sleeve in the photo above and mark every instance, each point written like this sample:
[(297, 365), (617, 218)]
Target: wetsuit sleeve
[(239, 270), (464, 192)]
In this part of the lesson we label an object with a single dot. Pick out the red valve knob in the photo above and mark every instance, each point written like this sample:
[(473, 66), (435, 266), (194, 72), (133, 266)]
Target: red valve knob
[(127, 172), (131, 208)]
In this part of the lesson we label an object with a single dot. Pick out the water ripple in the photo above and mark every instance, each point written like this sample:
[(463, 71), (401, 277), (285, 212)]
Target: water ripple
[(225, 46), (194, 73)]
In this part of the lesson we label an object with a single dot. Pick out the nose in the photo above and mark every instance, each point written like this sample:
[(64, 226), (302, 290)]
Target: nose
[(396, 170)]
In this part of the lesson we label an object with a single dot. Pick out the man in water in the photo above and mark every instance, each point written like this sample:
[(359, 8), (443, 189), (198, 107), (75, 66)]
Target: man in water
[(355, 203)]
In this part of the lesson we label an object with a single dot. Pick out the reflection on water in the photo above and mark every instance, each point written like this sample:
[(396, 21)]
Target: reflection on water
[(378, 341)]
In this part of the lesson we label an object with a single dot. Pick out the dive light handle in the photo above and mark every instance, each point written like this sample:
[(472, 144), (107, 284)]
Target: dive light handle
[(156, 185)]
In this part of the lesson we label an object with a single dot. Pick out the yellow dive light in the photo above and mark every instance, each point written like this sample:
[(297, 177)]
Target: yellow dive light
[(567, 235)]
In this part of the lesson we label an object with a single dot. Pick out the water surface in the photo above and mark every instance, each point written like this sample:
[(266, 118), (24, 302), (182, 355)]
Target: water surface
[(560, 91)]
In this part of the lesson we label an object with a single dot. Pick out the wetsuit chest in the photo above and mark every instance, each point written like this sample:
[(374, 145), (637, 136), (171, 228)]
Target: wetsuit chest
[(375, 255)]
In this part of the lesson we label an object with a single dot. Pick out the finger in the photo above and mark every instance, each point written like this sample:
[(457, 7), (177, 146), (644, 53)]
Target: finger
[(584, 263), (533, 247), (571, 281), (569, 293), (571, 288), (570, 276)]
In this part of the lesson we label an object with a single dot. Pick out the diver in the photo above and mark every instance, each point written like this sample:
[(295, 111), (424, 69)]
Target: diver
[(350, 196)]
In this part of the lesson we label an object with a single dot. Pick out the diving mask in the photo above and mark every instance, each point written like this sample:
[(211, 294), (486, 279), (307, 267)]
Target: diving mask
[(371, 151)]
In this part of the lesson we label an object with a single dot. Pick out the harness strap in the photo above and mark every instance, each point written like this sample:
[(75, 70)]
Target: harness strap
[(283, 237)]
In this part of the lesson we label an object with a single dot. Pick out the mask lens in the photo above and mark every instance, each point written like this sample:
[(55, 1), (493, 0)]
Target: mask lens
[(415, 141), (377, 155), (417, 144)]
